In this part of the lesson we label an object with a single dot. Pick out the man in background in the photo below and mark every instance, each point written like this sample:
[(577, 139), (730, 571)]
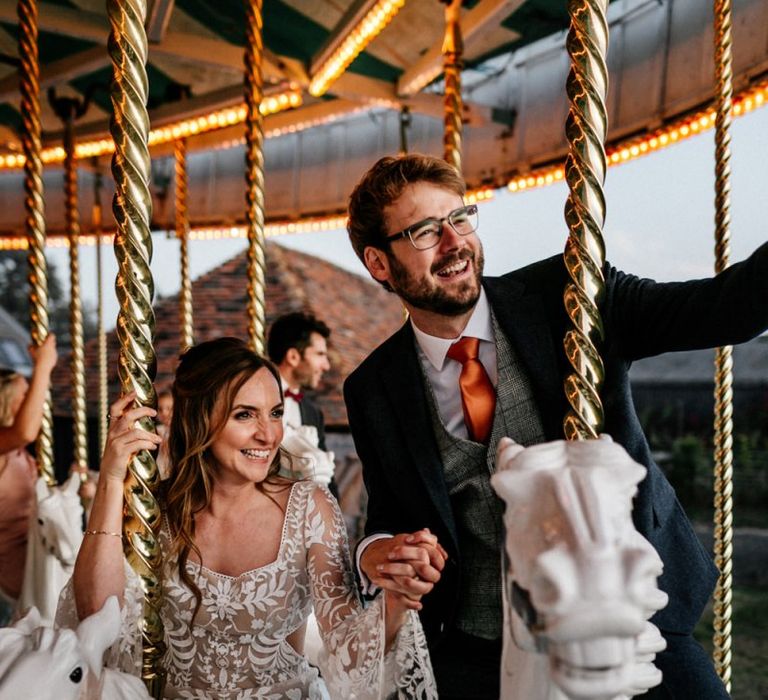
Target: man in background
[(297, 344)]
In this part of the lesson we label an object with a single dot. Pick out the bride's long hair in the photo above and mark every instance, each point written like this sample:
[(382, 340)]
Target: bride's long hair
[(207, 380)]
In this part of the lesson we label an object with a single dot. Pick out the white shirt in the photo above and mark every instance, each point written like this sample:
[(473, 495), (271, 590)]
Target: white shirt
[(443, 374)]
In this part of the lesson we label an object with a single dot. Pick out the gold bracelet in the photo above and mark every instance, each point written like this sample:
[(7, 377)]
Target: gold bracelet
[(103, 532)]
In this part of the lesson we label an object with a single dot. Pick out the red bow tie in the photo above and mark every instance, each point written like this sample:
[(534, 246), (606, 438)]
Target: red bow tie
[(295, 395)]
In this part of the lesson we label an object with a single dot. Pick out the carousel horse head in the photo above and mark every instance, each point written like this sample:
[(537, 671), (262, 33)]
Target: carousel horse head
[(55, 534), (60, 519), (580, 579), (47, 664)]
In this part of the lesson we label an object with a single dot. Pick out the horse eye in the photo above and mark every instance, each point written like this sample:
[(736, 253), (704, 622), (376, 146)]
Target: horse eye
[(40, 521), (77, 675)]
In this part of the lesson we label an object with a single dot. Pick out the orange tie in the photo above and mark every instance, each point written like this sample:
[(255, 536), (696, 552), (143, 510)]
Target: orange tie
[(478, 397)]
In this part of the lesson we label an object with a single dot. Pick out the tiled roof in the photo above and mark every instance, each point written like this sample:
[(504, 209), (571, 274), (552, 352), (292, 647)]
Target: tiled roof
[(359, 313)]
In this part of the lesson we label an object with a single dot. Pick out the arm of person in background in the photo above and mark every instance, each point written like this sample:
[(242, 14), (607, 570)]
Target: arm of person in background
[(29, 417), (99, 569)]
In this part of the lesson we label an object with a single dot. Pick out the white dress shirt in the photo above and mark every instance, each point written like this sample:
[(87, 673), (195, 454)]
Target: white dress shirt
[(443, 375)]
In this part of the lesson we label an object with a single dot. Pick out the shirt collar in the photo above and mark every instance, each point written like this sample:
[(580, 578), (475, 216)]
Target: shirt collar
[(478, 326)]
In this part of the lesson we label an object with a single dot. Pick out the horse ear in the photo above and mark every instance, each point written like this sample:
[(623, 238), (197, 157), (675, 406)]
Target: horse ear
[(72, 484), (31, 621), (98, 632), (42, 490), (15, 641)]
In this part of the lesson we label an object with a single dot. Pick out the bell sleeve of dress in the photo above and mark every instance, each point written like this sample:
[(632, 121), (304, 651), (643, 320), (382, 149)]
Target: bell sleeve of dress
[(126, 652), (353, 662)]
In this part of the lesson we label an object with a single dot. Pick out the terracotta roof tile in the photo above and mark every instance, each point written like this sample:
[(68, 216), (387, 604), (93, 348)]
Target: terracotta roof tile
[(359, 313)]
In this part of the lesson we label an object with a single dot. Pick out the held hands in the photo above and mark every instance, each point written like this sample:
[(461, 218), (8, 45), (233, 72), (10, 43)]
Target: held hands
[(124, 438), (406, 566)]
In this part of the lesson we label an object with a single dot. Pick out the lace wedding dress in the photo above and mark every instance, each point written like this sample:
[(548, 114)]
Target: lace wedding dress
[(237, 648)]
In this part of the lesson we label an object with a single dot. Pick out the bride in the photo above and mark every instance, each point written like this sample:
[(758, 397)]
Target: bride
[(247, 554)]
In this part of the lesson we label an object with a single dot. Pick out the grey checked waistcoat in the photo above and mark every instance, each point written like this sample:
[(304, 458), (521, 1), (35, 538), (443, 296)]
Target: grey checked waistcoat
[(467, 467)]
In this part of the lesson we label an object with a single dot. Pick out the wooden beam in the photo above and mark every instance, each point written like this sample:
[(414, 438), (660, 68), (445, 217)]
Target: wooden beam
[(292, 68), (430, 65), (78, 24), (91, 26), (359, 88), (350, 19), (158, 16), (201, 49), (167, 114), (313, 114), (300, 118), (57, 72)]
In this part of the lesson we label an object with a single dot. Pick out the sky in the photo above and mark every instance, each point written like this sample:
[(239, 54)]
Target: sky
[(659, 221)]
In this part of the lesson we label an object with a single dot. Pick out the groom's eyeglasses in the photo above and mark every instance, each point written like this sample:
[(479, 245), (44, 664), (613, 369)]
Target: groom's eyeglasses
[(427, 233)]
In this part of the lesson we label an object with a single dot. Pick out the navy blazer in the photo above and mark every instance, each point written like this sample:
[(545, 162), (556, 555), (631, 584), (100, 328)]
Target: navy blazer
[(393, 435)]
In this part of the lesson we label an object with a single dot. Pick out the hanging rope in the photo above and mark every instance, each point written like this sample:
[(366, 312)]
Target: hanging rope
[(182, 233), (34, 220), (453, 50), (132, 207), (96, 222), (723, 521), (254, 175), (584, 256)]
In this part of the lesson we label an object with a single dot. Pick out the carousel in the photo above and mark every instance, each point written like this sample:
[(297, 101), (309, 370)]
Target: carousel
[(259, 118)]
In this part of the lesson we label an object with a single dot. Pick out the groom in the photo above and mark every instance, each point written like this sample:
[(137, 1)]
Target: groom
[(481, 358)]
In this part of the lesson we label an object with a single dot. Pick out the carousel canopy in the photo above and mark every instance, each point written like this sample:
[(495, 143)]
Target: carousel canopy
[(322, 129)]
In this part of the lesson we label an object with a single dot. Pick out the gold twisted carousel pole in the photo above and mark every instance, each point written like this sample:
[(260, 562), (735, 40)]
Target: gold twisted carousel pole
[(34, 219), (96, 217), (723, 487), (182, 233), (77, 366), (584, 256), (254, 175), (67, 109), (453, 50), (132, 207)]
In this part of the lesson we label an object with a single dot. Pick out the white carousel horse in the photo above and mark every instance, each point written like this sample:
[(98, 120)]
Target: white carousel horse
[(46, 664), (55, 535), (580, 581)]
